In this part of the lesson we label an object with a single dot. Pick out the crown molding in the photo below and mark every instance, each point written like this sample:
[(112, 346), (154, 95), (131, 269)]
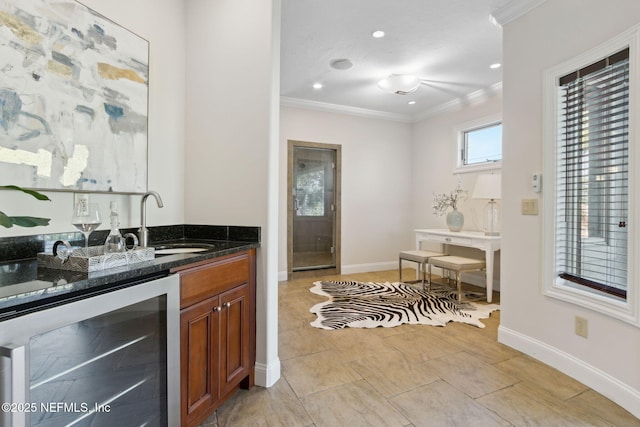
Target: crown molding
[(459, 103), (455, 104), (505, 11), (342, 109)]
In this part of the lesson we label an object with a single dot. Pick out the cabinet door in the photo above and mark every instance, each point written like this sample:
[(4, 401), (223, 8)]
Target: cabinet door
[(235, 337), (199, 363)]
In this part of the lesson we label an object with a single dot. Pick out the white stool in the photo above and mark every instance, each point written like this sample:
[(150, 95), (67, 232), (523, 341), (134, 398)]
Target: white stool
[(459, 265), (422, 258)]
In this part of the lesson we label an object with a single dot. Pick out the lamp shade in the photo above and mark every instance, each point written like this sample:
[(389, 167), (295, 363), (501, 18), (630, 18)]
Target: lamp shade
[(488, 187), (400, 84)]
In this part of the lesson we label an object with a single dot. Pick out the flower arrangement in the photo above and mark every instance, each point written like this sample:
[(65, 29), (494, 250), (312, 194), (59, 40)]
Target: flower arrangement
[(442, 202)]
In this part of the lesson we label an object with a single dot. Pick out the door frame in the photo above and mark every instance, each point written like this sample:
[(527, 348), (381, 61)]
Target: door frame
[(291, 144)]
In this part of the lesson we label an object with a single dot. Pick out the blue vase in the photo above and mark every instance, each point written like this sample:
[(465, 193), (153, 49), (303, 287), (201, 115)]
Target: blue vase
[(455, 220)]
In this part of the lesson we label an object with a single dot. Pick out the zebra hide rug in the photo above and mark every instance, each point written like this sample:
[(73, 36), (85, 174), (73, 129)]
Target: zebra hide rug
[(369, 305)]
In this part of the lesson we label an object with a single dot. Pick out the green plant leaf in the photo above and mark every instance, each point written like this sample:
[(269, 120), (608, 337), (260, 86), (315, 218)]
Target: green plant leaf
[(5, 221), (33, 193), (29, 221)]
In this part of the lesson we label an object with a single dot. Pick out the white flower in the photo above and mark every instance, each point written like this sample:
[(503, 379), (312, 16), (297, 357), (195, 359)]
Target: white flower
[(442, 202)]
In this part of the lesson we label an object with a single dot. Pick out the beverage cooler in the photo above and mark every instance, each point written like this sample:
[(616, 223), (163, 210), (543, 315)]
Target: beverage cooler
[(106, 358)]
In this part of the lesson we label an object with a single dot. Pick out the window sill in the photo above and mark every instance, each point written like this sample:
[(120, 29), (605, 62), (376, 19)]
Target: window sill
[(483, 167), (609, 305)]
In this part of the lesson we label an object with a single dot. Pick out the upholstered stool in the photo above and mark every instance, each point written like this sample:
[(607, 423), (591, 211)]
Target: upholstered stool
[(422, 258), (459, 265)]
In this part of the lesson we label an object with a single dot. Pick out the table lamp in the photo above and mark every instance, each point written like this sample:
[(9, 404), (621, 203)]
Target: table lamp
[(489, 187)]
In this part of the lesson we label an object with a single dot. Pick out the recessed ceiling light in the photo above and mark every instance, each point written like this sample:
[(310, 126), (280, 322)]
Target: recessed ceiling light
[(411, 102), (378, 34), (317, 85), (495, 66)]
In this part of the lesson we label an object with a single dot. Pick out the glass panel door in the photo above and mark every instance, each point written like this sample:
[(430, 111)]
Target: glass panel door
[(106, 370), (314, 196)]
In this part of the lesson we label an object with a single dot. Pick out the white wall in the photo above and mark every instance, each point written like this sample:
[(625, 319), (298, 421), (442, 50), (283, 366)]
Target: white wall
[(161, 23), (232, 121), (543, 327), (435, 150), (376, 184)]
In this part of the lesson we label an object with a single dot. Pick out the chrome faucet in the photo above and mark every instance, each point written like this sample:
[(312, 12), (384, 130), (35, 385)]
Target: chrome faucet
[(144, 233)]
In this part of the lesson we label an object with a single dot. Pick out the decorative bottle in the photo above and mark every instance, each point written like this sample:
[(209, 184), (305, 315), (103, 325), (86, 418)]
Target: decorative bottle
[(115, 242)]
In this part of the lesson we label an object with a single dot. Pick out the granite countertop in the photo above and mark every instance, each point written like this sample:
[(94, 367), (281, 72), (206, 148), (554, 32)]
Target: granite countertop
[(25, 287)]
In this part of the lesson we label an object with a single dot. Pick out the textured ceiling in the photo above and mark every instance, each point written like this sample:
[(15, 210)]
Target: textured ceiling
[(447, 43)]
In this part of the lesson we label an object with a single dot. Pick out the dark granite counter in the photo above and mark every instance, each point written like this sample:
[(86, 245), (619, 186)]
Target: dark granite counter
[(25, 287)]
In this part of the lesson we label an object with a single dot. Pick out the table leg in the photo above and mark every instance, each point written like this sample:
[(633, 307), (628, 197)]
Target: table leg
[(489, 260)]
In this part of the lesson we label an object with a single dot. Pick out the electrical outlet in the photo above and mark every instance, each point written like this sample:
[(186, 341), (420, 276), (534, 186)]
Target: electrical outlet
[(582, 327), (81, 203)]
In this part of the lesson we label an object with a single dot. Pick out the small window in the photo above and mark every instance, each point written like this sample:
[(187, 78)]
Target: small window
[(482, 145), (479, 146)]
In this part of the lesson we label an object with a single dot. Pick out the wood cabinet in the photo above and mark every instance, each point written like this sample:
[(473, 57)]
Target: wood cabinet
[(217, 333)]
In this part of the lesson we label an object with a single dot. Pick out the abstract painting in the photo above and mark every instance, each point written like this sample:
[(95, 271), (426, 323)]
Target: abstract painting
[(73, 99)]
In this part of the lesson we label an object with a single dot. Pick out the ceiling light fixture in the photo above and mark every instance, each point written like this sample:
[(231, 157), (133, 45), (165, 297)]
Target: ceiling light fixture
[(401, 84), (411, 102), (317, 85), (495, 66), (378, 34)]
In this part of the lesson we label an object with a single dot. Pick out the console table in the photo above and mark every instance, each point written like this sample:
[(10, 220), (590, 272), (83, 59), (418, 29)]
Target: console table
[(471, 239)]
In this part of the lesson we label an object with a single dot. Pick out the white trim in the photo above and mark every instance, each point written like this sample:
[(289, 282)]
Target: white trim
[(473, 278), (505, 11), (453, 105), (605, 384), (342, 109), (462, 102), (629, 310), (355, 268), (267, 375)]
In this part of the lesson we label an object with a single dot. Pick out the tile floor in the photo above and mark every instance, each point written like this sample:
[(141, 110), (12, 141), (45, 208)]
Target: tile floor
[(457, 375)]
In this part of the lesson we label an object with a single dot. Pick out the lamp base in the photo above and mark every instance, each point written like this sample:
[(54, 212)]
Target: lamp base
[(491, 219)]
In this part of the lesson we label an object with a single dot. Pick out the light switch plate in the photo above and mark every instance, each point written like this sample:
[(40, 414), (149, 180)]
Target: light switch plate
[(529, 207)]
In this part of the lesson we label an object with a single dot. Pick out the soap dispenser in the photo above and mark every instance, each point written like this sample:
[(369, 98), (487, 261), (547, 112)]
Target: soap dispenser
[(115, 242)]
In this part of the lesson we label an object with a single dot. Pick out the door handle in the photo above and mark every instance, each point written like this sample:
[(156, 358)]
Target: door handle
[(14, 391)]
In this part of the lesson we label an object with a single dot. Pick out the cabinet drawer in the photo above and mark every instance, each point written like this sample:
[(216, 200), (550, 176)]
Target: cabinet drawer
[(462, 241), (209, 279)]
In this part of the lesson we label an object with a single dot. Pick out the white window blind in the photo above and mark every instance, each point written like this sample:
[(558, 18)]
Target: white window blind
[(592, 176)]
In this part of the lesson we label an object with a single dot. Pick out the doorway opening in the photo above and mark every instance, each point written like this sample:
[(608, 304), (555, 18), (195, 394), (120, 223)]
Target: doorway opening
[(313, 209)]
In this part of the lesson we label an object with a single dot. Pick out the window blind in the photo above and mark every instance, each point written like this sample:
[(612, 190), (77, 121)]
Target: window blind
[(592, 176)]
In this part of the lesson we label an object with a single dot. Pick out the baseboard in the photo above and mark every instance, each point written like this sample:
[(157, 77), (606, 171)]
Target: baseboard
[(355, 268), (610, 387), (283, 276), (267, 375), (365, 268), (473, 278)]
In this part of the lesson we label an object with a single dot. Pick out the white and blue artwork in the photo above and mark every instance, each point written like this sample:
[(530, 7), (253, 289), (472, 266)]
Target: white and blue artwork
[(73, 99)]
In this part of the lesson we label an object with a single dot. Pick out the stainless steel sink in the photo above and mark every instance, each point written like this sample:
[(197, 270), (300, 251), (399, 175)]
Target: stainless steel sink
[(183, 248)]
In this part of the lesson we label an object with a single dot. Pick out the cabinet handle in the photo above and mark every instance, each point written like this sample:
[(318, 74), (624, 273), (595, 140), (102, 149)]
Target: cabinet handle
[(217, 309), (226, 305), (448, 239)]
